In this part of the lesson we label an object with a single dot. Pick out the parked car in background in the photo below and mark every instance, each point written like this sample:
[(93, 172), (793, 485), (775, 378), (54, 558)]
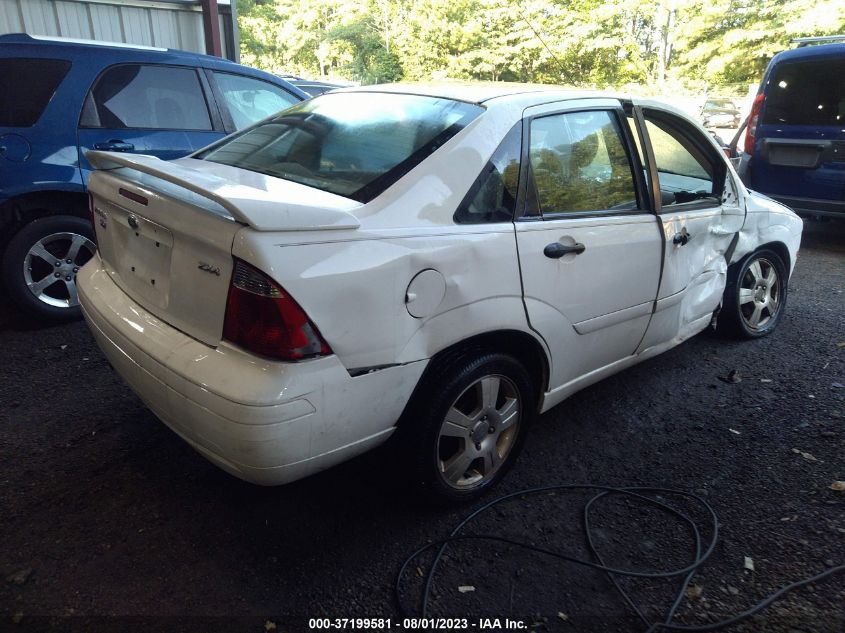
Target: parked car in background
[(61, 98), (795, 142), (721, 113), (312, 86), (443, 262)]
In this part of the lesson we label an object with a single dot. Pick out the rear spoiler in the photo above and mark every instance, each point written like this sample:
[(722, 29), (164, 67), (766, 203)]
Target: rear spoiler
[(248, 205)]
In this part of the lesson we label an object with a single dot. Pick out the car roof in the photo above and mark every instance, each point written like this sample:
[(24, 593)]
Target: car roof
[(73, 47), (482, 92), (809, 52)]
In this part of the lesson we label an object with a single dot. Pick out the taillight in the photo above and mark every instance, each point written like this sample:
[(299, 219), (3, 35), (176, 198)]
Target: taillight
[(262, 318), (752, 123)]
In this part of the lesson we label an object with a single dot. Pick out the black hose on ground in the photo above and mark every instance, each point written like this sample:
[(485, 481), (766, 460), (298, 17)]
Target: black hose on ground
[(641, 494)]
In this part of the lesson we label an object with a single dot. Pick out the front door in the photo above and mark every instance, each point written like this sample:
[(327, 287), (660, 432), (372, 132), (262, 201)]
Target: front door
[(589, 248), (700, 214)]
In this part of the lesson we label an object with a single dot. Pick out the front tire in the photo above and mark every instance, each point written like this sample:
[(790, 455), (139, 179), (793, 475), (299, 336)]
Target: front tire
[(755, 296), (467, 424), (40, 266)]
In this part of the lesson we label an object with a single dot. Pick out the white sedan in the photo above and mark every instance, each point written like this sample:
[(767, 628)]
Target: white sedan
[(438, 263)]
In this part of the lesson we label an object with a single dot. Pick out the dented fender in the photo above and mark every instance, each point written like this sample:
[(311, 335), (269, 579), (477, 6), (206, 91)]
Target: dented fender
[(767, 222)]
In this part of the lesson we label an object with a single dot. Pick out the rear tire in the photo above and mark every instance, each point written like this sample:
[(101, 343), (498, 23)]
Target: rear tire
[(40, 265), (466, 425), (755, 296)]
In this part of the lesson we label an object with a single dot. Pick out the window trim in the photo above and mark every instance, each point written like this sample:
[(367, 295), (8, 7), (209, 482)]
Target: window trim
[(526, 176), (211, 118), (684, 128)]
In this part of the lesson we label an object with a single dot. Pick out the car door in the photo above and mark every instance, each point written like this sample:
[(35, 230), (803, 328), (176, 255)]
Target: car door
[(147, 109), (700, 214), (589, 247)]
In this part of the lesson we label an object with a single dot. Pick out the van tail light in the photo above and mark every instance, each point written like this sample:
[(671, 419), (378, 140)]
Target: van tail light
[(753, 118), (264, 319)]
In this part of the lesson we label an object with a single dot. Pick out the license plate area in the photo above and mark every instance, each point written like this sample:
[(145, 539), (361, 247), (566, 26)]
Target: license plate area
[(143, 250)]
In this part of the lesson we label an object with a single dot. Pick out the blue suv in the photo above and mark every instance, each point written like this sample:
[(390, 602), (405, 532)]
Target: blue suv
[(795, 145), (61, 98)]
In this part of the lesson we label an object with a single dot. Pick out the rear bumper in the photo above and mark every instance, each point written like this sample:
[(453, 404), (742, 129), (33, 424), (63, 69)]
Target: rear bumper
[(812, 206), (265, 422)]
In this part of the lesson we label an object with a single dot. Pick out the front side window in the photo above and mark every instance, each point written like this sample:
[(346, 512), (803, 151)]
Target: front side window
[(26, 87), (579, 163), (352, 144), (250, 100), (492, 198), (685, 171), (808, 92), (147, 97)]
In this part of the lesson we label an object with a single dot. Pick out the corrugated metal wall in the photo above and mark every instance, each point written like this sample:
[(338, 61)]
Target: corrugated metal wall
[(168, 24)]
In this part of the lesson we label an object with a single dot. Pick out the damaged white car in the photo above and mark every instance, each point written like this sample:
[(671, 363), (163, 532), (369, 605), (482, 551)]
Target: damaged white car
[(438, 263)]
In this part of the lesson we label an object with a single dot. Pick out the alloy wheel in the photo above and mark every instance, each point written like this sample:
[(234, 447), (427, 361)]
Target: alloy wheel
[(479, 431), (759, 294), (51, 265)]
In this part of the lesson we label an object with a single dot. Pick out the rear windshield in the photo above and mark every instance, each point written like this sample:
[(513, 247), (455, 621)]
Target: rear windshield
[(352, 144), (810, 92), (26, 87)]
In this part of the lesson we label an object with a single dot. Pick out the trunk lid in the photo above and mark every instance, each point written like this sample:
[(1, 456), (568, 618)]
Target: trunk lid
[(165, 229)]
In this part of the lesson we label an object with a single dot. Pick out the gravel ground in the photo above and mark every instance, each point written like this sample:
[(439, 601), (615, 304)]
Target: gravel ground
[(109, 522)]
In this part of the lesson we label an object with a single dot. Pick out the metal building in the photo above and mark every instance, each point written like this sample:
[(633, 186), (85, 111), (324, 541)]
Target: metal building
[(183, 24)]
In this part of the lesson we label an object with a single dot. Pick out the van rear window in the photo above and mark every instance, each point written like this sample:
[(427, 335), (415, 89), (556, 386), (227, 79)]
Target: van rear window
[(810, 92), (26, 87)]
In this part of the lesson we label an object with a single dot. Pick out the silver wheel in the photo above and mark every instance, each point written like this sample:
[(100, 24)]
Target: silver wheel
[(479, 431), (51, 264), (759, 294)]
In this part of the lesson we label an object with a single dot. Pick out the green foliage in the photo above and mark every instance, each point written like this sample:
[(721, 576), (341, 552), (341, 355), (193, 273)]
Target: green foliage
[(702, 43)]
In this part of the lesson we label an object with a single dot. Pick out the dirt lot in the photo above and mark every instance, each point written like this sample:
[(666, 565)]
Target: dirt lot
[(109, 522)]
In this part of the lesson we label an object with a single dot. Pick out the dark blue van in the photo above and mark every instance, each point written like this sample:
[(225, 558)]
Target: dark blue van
[(60, 98), (796, 130)]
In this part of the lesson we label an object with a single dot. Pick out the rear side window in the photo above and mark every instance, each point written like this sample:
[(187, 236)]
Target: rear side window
[(810, 92), (250, 100), (492, 198), (26, 87), (147, 97), (352, 144)]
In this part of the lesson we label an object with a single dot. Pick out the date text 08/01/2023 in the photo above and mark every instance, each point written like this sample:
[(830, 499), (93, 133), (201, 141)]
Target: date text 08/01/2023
[(441, 624)]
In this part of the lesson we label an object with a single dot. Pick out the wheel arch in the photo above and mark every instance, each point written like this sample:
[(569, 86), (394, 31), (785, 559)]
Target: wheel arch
[(20, 210), (782, 251), (524, 347), (780, 248)]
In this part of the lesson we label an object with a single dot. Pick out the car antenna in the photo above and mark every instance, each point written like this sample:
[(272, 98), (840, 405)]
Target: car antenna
[(542, 41)]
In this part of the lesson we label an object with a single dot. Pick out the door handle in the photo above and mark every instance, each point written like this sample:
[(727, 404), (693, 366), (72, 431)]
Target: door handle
[(556, 250), (681, 238), (115, 145)]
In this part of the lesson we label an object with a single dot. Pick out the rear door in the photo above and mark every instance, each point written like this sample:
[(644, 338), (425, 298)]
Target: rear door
[(699, 213), (150, 109), (589, 247), (800, 139)]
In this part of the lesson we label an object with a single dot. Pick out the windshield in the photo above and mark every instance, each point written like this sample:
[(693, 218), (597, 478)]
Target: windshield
[(720, 104), (354, 144)]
